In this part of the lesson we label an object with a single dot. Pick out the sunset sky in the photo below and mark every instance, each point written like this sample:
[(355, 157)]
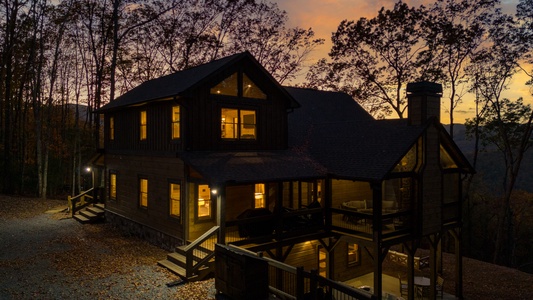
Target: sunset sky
[(323, 16)]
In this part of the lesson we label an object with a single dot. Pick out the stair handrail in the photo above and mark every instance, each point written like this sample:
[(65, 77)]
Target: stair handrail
[(189, 251), (72, 201)]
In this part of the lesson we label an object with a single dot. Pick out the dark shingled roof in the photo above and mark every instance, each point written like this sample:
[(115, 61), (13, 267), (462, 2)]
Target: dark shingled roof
[(243, 167), (343, 137)]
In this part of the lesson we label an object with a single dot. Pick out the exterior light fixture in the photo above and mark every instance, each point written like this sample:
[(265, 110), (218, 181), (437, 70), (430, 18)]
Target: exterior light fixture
[(88, 169), (214, 191)]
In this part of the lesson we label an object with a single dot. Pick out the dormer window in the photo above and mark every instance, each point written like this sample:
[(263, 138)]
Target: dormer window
[(238, 85)]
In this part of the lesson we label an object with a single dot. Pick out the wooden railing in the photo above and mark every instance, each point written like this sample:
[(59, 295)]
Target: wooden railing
[(200, 252), (288, 282), (80, 201)]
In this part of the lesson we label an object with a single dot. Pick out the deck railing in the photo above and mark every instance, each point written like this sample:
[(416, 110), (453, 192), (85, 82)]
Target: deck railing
[(288, 282), (200, 252), (80, 201)]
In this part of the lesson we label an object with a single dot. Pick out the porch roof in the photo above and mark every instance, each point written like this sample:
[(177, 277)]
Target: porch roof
[(253, 166)]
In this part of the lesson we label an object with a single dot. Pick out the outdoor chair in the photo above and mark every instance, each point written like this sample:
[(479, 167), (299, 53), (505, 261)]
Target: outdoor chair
[(404, 287)]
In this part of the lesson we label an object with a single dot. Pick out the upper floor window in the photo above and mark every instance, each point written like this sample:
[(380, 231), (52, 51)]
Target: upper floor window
[(175, 199), (238, 86), (143, 192), (112, 186), (143, 123), (175, 122), (238, 124), (259, 196), (111, 128)]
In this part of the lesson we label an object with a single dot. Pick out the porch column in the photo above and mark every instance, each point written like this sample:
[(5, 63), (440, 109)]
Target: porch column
[(434, 241), (328, 196), (458, 263), (221, 212), (377, 233)]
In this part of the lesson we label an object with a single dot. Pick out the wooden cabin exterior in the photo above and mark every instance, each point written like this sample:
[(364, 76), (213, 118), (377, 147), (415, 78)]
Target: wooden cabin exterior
[(306, 177)]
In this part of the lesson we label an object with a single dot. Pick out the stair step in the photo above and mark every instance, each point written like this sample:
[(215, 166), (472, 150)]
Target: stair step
[(81, 219), (89, 215), (173, 268), (177, 259), (100, 205), (96, 210)]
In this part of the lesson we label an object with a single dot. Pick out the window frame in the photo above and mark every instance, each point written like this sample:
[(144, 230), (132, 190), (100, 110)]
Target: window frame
[(142, 192), (197, 216), (356, 253), (239, 124), (143, 125), (112, 173), (171, 200), (111, 128), (175, 134)]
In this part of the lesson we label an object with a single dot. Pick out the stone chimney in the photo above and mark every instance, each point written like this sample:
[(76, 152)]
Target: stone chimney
[(423, 100)]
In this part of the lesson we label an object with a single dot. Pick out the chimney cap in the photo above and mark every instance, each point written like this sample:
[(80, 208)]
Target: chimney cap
[(424, 87)]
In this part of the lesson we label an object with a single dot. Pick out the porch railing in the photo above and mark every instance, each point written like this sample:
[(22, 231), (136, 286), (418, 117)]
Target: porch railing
[(199, 253), (80, 201), (289, 282)]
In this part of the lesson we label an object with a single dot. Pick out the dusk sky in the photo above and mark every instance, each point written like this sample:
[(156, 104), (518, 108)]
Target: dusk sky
[(323, 16)]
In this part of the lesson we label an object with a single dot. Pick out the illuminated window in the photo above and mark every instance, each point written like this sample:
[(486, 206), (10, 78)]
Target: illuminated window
[(354, 254), (250, 90), (446, 160), (142, 135), (113, 186), (175, 200), (410, 162), (238, 124), (259, 196), (204, 201), (227, 86), (175, 122), (111, 128), (143, 192)]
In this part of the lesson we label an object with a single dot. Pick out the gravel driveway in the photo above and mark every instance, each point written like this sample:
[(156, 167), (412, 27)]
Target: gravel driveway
[(44, 254)]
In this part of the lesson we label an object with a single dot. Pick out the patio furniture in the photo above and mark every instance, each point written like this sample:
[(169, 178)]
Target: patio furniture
[(422, 286), (404, 287)]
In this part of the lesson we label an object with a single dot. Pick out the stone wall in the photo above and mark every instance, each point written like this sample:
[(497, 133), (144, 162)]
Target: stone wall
[(144, 232)]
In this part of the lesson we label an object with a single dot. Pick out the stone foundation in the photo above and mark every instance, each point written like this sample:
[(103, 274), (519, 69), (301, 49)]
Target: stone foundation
[(149, 234)]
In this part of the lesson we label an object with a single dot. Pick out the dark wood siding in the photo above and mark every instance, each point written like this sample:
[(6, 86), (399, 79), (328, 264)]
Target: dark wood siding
[(127, 130), (159, 172)]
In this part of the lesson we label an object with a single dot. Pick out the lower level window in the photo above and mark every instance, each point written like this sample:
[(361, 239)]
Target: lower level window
[(259, 195), (175, 200), (143, 192), (204, 201), (354, 254)]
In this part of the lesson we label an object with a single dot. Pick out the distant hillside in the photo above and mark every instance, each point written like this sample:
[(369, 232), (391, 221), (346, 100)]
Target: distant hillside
[(490, 162)]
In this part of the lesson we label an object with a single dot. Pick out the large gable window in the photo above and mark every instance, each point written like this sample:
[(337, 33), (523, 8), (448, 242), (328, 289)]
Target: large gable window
[(238, 124), (238, 86)]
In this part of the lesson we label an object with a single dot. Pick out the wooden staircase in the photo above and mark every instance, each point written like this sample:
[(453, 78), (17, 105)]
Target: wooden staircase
[(195, 261), (90, 214)]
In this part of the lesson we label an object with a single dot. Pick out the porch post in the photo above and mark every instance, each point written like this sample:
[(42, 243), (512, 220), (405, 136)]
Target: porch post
[(458, 263), (221, 213), (377, 233)]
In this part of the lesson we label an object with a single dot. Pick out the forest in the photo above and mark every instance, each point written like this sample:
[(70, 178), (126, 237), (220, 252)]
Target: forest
[(61, 60)]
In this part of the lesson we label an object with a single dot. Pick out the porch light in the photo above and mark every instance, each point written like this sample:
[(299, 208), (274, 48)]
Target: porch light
[(214, 191), (88, 169)]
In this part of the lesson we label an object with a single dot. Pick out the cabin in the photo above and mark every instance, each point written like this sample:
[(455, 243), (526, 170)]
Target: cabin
[(223, 154)]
